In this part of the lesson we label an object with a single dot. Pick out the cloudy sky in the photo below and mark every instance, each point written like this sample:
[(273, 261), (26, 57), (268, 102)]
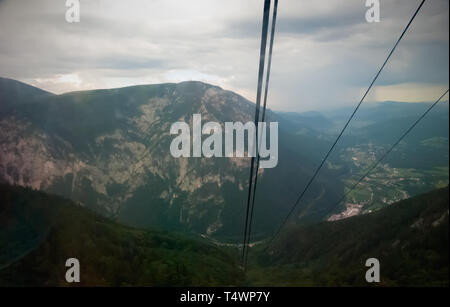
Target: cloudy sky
[(325, 53)]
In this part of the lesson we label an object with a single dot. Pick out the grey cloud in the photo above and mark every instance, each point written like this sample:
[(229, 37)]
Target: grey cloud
[(319, 44)]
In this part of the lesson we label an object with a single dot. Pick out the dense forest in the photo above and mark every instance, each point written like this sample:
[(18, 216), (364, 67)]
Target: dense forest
[(409, 238), (42, 231)]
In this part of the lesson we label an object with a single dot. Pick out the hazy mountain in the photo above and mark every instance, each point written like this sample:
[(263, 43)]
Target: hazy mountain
[(417, 165), (308, 122), (109, 150)]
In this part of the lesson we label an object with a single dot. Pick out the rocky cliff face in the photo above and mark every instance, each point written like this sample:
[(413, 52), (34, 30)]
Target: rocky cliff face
[(110, 150)]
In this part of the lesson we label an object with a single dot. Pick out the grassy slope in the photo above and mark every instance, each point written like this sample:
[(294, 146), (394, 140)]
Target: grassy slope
[(410, 238), (46, 230)]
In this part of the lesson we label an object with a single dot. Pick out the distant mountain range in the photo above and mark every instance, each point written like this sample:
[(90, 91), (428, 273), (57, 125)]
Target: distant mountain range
[(76, 168), (108, 150)]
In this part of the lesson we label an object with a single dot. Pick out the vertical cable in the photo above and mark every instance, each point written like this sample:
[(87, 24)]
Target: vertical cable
[(269, 64), (262, 57)]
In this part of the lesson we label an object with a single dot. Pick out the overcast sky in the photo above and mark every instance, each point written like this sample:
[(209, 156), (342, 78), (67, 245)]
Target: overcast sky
[(325, 53)]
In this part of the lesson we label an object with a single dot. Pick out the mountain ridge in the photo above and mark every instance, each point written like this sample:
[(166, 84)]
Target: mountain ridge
[(108, 149)]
